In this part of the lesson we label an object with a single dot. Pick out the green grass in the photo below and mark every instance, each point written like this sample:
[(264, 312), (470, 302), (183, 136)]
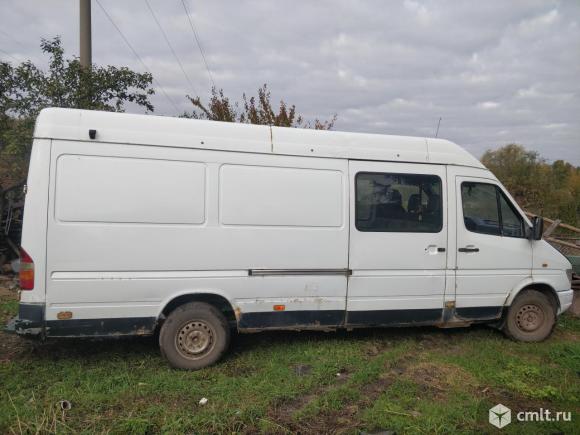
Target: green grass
[(8, 307), (421, 380)]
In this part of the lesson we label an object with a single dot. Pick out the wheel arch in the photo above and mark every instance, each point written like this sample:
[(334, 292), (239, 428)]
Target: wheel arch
[(542, 287), (217, 299)]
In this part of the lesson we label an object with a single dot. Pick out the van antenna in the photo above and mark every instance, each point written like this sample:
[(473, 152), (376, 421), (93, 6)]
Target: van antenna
[(438, 124)]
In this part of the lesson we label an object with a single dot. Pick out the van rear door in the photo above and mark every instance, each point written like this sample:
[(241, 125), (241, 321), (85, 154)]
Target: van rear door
[(398, 243)]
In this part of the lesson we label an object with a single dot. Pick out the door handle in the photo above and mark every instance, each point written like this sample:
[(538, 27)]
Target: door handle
[(433, 249), (467, 249)]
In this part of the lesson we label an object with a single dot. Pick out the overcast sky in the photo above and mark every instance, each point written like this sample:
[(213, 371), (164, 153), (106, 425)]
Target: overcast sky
[(496, 71)]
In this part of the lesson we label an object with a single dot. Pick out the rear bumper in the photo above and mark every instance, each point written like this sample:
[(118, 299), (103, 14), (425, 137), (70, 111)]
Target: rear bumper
[(565, 298), (30, 320)]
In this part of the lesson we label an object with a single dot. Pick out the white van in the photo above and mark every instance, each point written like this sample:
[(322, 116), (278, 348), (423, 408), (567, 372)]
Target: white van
[(137, 223)]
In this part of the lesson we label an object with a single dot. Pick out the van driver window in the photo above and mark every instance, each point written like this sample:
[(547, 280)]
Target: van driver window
[(486, 210), (405, 203)]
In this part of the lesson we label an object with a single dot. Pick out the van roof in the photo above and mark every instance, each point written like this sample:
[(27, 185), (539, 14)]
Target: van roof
[(74, 124)]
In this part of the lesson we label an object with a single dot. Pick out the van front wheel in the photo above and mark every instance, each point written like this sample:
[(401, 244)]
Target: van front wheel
[(194, 335), (531, 317)]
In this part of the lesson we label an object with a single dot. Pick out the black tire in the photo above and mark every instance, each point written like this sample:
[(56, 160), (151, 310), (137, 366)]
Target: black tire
[(531, 317), (195, 335)]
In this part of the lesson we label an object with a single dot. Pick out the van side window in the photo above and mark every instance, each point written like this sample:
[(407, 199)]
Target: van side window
[(407, 203), (486, 210)]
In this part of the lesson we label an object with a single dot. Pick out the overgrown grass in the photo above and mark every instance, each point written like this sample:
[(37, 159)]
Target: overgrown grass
[(420, 380)]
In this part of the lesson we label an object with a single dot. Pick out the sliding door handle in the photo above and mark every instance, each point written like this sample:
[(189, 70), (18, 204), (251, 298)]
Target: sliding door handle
[(468, 249), (433, 249)]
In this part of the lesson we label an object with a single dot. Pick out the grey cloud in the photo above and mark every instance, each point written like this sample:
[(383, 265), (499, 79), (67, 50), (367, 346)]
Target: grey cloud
[(495, 71)]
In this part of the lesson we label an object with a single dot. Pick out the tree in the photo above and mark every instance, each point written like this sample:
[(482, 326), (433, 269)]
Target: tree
[(26, 89), (551, 190), (253, 111), (519, 169)]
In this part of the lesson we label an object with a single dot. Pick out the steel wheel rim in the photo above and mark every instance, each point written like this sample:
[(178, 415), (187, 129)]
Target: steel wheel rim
[(530, 317), (195, 339)]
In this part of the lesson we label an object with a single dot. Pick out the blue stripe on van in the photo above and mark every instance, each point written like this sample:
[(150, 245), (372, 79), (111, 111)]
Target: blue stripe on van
[(312, 319), (101, 327), (394, 317), (289, 319)]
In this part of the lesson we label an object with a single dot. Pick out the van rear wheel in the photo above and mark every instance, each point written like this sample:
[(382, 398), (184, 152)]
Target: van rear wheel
[(195, 335), (531, 317)]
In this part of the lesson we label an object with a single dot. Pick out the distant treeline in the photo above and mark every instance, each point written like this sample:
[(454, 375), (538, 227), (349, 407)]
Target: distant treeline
[(550, 190)]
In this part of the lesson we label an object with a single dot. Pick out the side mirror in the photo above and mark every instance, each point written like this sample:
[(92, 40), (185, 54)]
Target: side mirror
[(537, 228)]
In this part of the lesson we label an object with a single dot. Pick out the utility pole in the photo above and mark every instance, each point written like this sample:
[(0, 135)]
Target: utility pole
[(85, 34)]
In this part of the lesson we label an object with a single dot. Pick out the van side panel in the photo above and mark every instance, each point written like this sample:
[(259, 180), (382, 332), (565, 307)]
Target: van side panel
[(129, 190), (31, 310), (34, 225), (274, 196), (131, 227)]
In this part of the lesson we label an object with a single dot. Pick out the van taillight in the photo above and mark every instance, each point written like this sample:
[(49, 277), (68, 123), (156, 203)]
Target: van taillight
[(26, 271)]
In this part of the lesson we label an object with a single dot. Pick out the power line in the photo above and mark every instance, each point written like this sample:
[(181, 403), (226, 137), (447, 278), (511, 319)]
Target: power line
[(198, 43), (8, 54), (170, 47), (137, 55), (7, 35)]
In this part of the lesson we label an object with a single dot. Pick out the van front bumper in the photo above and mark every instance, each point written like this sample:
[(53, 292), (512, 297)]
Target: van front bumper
[(29, 322), (565, 298)]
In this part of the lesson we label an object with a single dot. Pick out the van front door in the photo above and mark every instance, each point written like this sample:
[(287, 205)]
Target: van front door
[(398, 243), (492, 254)]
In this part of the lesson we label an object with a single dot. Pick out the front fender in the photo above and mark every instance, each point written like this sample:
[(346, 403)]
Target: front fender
[(526, 282)]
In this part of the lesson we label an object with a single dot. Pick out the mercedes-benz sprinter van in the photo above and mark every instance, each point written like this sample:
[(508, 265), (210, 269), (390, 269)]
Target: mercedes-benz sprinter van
[(135, 223)]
